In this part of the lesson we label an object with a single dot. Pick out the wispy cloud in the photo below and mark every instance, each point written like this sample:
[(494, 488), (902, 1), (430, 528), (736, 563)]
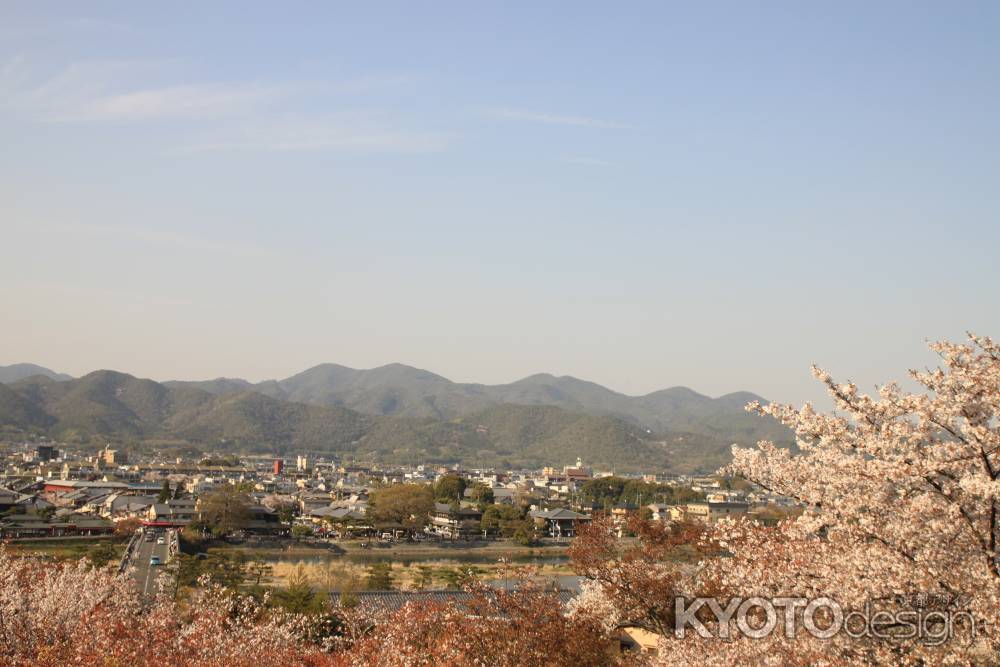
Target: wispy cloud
[(556, 119), (110, 91), (172, 102), (224, 116), (342, 132)]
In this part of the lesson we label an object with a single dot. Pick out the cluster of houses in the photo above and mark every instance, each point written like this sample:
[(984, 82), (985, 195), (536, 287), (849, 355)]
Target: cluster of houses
[(45, 492)]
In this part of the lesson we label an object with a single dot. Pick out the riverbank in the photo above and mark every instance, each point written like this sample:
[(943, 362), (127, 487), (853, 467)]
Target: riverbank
[(66, 548), (344, 565), (356, 549)]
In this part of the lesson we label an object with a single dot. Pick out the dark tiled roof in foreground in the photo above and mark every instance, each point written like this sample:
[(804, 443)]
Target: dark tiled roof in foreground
[(387, 602)]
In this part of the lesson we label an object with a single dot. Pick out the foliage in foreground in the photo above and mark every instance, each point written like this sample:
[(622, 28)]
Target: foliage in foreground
[(61, 614), (54, 614), (903, 497), (903, 515)]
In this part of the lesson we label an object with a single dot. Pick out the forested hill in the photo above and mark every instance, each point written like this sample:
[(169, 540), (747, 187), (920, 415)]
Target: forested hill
[(400, 390), (111, 406)]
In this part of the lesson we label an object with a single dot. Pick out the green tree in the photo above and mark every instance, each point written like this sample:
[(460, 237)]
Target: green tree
[(450, 488), (459, 577), (640, 493), (102, 553), (299, 531), (228, 570), (524, 536), (258, 570), (405, 504), (286, 513), (424, 578), (348, 600), (451, 577), (299, 596), (193, 532), (482, 494), (164, 492), (675, 495), (602, 491), (379, 577), (501, 519), (225, 509)]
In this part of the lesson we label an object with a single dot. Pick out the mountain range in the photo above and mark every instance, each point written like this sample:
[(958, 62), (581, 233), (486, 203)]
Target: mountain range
[(400, 390), (16, 372), (394, 413)]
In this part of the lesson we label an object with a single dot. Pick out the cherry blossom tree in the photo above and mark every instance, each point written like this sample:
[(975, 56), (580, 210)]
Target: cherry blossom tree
[(73, 613), (633, 582), (493, 627), (902, 498), (54, 614)]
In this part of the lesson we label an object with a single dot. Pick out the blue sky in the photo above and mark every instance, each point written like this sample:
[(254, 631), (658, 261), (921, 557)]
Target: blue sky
[(644, 195)]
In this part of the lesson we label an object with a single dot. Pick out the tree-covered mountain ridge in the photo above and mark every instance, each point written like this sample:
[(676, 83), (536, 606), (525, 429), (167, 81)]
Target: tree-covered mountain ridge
[(400, 390), (397, 414)]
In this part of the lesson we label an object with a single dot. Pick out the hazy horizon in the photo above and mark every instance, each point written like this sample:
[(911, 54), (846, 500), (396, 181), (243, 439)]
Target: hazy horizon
[(818, 396), (707, 196), (284, 377)]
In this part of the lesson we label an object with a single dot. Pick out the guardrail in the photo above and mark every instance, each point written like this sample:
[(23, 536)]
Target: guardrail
[(173, 544), (130, 551)]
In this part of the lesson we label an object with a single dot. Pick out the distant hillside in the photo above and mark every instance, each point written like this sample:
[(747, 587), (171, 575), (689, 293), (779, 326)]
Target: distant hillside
[(399, 390), (119, 406), (517, 435), (216, 386), (252, 420), (16, 372), (20, 412), (539, 434), (107, 405)]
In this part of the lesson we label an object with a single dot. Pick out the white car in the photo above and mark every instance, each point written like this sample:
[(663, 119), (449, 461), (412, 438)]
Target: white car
[(161, 540)]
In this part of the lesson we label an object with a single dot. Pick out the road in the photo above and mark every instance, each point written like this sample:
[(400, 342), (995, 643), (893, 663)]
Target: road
[(145, 574)]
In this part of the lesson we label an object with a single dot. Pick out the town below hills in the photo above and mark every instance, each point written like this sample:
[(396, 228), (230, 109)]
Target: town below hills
[(390, 414)]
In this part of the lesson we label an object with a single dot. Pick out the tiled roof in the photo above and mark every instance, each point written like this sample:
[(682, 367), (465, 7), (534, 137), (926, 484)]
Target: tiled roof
[(83, 484), (560, 513)]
